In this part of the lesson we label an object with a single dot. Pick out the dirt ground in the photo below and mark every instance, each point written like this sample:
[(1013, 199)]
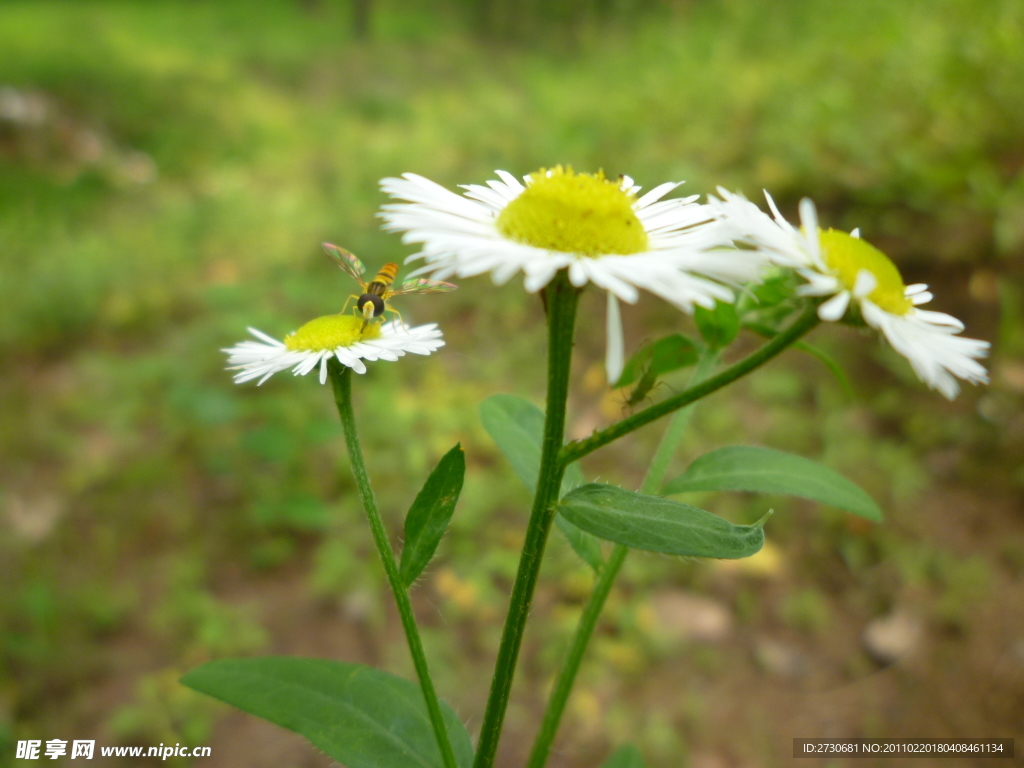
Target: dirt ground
[(735, 699)]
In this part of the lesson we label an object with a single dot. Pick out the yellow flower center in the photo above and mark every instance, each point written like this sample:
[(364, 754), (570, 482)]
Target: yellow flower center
[(582, 213), (848, 255), (331, 332)]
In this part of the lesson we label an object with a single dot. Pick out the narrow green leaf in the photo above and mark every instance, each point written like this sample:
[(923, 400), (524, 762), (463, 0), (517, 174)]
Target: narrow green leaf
[(626, 756), (517, 426), (586, 546), (718, 326), (661, 357), (430, 512), (657, 524), (765, 470), (359, 716)]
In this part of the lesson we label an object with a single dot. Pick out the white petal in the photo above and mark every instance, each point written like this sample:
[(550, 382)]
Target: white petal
[(833, 310), (865, 284), (502, 274), (934, 350), (656, 194), (345, 357), (809, 225), (772, 207), (577, 273), (419, 190), (855, 232), (939, 318), (613, 360), (775, 238), (608, 273), (269, 339), (817, 284), (808, 216), (918, 294), (539, 275), (489, 197), (510, 180)]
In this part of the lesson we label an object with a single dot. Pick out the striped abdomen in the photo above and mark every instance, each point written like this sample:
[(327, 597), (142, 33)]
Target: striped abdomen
[(383, 280)]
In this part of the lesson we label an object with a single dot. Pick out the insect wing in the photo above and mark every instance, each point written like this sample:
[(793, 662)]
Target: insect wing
[(347, 261), (420, 285)]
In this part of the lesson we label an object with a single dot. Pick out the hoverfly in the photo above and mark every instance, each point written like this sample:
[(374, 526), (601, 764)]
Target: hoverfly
[(373, 302)]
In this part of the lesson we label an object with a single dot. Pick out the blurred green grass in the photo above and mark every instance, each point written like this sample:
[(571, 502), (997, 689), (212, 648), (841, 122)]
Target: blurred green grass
[(186, 159)]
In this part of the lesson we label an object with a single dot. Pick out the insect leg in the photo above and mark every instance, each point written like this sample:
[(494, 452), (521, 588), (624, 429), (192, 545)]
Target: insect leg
[(389, 308), (344, 308)]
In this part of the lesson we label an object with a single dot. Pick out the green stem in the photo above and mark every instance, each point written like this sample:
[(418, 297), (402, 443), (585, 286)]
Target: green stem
[(562, 299), (341, 380), (567, 675), (577, 449), (605, 579)]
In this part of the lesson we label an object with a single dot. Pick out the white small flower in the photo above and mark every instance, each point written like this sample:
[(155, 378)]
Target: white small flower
[(339, 336), (596, 228), (854, 273)]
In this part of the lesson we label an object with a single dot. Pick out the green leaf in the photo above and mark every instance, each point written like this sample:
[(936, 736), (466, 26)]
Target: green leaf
[(718, 326), (657, 524), (661, 357), (430, 512), (359, 716), (586, 546), (774, 290), (768, 294), (771, 301), (765, 470), (517, 426), (626, 756)]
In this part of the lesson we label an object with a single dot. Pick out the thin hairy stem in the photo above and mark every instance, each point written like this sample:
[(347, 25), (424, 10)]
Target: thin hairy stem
[(341, 380), (571, 665), (577, 449), (605, 579), (562, 299)]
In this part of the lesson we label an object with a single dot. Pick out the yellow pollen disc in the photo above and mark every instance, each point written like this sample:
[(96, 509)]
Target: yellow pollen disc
[(331, 332), (583, 213), (848, 255)]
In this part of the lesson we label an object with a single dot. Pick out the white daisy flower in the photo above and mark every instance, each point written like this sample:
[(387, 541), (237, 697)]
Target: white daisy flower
[(339, 336), (596, 228), (859, 277)]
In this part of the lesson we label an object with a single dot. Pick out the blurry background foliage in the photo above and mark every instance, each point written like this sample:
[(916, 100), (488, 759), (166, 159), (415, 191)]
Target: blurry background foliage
[(167, 172)]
